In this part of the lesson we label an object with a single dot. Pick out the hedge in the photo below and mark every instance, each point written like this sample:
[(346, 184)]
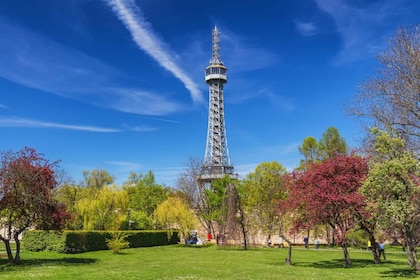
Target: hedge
[(84, 241)]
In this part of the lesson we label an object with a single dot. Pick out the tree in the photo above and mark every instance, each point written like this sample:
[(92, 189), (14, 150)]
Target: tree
[(393, 185), (327, 192), (27, 180), (144, 196), (102, 210), (331, 144), (194, 193), (390, 99), (263, 188), (174, 213), (309, 151), (97, 179)]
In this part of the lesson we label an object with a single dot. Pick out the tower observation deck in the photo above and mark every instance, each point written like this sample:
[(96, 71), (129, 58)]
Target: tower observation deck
[(216, 159)]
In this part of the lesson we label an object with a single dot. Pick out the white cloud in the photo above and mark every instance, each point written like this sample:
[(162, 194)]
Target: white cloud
[(143, 35), (359, 25), (306, 28), (20, 122), (64, 71)]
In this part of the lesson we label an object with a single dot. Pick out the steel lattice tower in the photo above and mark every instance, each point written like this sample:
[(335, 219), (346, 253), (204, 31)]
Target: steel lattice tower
[(216, 159)]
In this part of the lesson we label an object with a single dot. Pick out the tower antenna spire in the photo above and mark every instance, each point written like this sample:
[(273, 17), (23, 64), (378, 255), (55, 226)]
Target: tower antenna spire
[(216, 48)]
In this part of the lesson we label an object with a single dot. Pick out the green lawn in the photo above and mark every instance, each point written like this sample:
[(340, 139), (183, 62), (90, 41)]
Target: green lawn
[(179, 262)]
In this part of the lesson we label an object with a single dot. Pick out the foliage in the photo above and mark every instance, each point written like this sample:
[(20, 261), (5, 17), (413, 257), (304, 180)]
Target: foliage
[(144, 196), (71, 242), (390, 98), (263, 188), (174, 213), (100, 210), (97, 179), (331, 143), (327, 193), (27, 180), (309, 150), (393, 185), (40, 240), (117, 242)]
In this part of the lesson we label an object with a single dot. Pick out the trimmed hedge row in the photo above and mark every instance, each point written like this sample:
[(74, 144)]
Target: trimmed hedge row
[(69, 242)]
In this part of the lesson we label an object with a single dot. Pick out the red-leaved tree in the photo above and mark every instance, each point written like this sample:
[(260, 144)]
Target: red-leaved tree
[(26, 184), (327, 193)]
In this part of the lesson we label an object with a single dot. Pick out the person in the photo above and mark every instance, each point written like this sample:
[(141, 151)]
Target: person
[(269, 241), (209, 236), (381, 247), (217, 238), (305, 240), (369, 245), (316, 244)]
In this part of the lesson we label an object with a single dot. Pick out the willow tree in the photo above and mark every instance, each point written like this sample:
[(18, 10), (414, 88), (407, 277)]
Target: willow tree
[(174, 213)]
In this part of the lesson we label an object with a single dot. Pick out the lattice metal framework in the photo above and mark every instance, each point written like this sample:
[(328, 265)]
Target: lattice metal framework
[(216, 159)]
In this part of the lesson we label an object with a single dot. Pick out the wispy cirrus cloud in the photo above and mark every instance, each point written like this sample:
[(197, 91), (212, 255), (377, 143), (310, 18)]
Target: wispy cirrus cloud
[(35, 61), (306, 28), (245, 54), (359, 25), (21, 122), (145, 38)]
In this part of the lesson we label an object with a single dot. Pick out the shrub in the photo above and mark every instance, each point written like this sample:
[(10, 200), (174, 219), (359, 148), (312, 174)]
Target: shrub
[(117, 242), (83, 241)]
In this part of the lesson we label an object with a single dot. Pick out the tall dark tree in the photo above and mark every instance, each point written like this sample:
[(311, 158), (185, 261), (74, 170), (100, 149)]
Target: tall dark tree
[(27, 180)]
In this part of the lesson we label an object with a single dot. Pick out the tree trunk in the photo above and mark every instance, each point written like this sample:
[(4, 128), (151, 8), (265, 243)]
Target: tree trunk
[(346, 255), (413, 262), (17, 255), (288, 260), (8, 250), (375, 249)]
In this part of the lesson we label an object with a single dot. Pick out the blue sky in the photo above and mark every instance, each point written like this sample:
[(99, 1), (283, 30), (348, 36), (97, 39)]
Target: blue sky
[(119, 84)]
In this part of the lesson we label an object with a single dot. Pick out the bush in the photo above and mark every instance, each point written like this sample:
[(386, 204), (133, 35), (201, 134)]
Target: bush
[(84, 241), (118, 242)]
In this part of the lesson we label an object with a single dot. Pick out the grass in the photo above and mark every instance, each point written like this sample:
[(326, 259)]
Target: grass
[(180, 262)]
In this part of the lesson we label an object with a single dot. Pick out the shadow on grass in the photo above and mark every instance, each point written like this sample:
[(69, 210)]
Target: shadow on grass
[(400, 273), (340, 263), (4, 264)]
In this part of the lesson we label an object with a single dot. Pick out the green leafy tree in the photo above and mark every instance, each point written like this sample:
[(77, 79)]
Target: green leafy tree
[(144, 196), (393, 185), (331, 143), (97, 179), (174, 213), (309, 151), (263, 188), (104, 209)]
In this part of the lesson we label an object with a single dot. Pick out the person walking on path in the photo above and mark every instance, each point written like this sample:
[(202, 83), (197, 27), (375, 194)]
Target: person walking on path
[(306, 240)]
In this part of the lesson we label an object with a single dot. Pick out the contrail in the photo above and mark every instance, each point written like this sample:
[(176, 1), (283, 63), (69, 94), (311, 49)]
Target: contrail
[(142, 34)]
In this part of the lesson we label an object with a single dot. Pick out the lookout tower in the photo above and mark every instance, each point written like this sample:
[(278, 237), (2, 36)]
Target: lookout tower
[(216, 159)]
